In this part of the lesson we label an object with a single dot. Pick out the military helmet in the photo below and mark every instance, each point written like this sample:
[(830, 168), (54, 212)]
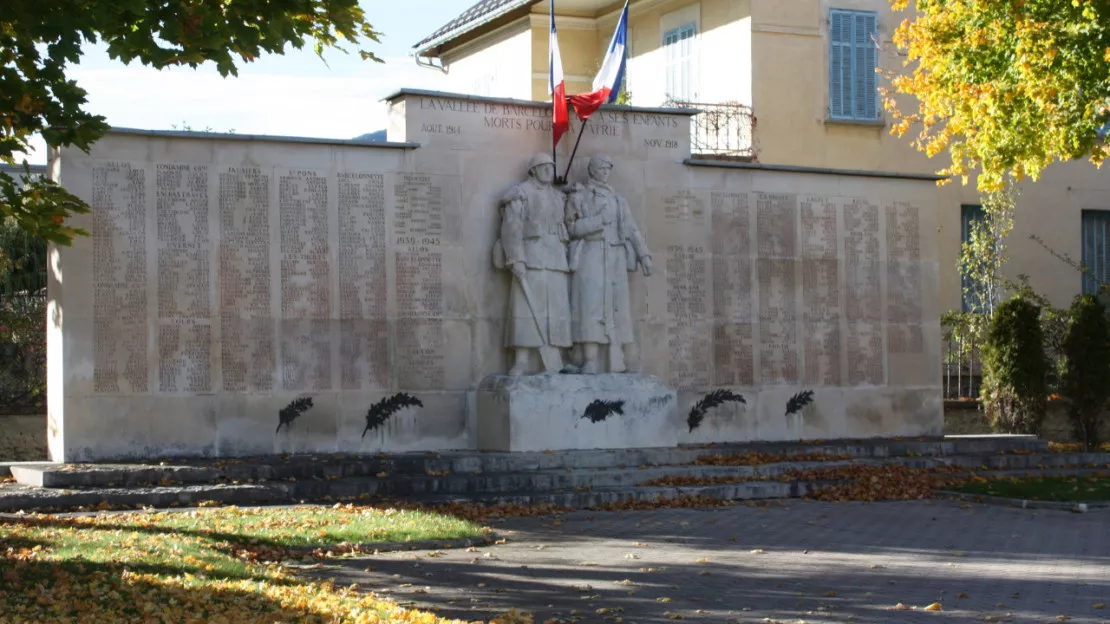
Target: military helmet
[(601, 160), (541, 159)]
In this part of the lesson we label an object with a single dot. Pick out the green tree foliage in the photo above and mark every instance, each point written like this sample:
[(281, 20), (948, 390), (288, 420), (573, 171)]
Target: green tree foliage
[(1085, 381), (1004, 86), (41, 39), (983, 256), (1015, 369), (22, 319)]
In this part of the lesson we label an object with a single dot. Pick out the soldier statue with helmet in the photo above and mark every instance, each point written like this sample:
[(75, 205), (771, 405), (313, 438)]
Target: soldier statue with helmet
[(533, 247)]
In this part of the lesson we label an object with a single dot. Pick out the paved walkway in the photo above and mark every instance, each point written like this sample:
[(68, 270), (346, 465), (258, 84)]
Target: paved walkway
[(798, 561)]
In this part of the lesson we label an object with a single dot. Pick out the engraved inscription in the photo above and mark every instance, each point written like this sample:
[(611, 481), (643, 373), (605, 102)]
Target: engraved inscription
[(184, 269), (732, 288), (687, 316), (863, 294), (364, 334), (418, 235), (362, 242), (306, 339), (820, 292), (904, 307), (120, 321), (733, 349), (821, 296), (818, 216), (364, 354), (776, 228), (306, 355), (733, 359), (776, 233), (420, 346), (419, 283), (248, 345), (684, 207), (862, 262), (732, 218), (184, 356), (778, 333)]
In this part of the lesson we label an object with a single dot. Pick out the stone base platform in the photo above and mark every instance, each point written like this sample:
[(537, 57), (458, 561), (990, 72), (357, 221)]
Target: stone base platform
[(579, 479), (562, 412)]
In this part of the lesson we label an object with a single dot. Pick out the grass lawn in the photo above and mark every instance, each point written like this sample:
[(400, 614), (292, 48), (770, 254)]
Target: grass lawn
[(1068, 489), (210, 565)]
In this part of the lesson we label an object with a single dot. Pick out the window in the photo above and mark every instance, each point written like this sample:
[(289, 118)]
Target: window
[(680, 55), (853, 58), (969, 215), (1096, 251)]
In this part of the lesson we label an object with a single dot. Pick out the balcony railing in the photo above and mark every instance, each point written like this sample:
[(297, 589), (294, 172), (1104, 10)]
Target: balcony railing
[(724, 130)]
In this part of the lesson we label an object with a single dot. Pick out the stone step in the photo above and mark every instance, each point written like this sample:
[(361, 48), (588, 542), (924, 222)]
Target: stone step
[(551, 480), (554, 481), (576, 499), (332, 467), (6, 466), (598, 497), (547, 480), (473, 489), (1034, 460), (468, 462), (26, 498), (1075, 471), (109, 475), (536, 484), (742, 491)]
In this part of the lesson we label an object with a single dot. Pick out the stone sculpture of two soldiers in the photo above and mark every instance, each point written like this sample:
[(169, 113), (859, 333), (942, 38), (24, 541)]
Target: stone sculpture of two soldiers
[(570, 251)]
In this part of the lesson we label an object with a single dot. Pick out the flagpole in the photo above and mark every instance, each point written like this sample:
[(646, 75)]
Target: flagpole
[(573, 153), (551, 81), (620, 34)]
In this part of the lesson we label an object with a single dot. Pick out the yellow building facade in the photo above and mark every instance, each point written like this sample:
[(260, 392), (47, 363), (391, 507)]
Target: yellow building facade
[(803, 67)]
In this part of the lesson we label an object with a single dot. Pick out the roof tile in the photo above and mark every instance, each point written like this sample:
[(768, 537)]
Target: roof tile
[(471, 15)]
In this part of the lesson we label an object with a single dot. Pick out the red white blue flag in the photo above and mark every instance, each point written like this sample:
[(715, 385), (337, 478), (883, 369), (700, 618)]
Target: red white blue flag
[(557, 87), (608, 81)]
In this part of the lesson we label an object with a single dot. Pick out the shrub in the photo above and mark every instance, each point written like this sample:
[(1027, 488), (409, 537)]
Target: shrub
[(1015, 392), (22, 320), (1085, 379)]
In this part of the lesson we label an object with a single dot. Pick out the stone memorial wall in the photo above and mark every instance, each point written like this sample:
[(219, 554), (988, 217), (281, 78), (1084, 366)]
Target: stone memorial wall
[(227, 276)]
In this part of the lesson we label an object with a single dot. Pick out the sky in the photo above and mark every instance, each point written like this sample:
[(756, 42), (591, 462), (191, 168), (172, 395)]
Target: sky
[(296, 94)]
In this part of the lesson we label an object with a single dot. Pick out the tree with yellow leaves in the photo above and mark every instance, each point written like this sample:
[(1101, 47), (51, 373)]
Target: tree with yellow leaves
[(1006, 87)]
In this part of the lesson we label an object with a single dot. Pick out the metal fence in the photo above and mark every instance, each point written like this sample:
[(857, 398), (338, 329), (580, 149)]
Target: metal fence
[(722, 130), (962, 366)]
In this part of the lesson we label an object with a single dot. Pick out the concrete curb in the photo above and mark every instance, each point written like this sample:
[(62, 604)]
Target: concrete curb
[(1024, 504), (372, 548)]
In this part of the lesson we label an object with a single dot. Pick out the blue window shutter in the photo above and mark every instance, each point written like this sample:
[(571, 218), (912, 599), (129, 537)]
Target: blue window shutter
[(853, 57), (867, 103), (840, 67), (1096, 250)]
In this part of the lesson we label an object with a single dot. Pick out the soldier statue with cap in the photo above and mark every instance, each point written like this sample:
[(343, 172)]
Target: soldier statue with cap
[(606, 245), (533, 248)]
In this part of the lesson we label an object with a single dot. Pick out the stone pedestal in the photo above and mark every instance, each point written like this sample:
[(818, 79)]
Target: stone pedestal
[(560, 412)]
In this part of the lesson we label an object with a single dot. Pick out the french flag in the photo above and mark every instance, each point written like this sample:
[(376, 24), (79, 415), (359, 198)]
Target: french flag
[(557, 87), (607, 83)]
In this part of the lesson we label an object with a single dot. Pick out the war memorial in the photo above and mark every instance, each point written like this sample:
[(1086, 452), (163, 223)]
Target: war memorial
[(451, 275)]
